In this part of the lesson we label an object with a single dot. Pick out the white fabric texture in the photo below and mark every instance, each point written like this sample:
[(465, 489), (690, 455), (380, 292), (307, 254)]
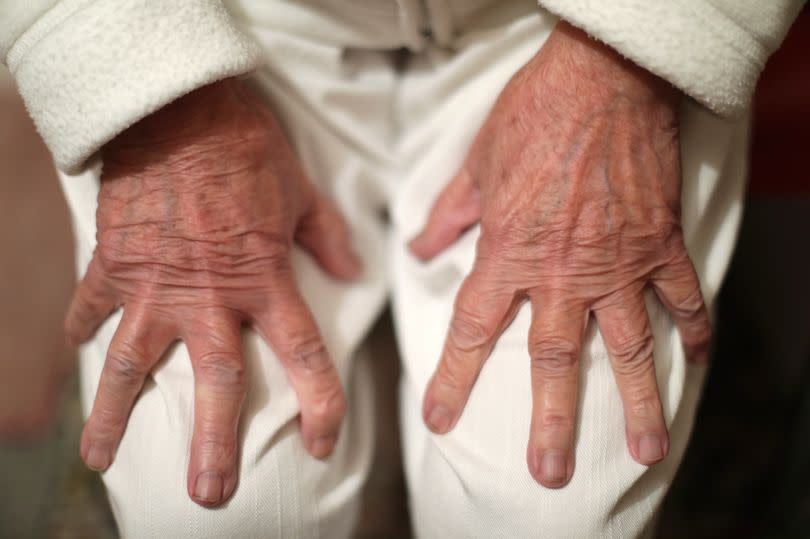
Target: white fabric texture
[(16, 17), (713, 50), (375, 138), (88, 69)]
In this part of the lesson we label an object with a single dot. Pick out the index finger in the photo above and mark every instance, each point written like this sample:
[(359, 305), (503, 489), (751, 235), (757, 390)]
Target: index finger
[(93, 301), (290, 328), (484, 308), (138, 344)]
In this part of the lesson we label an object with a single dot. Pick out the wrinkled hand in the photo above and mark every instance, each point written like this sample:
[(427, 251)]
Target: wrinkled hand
[(199, 206), (575, 178)]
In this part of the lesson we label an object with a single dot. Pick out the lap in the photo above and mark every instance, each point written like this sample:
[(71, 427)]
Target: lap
[(338, 110)]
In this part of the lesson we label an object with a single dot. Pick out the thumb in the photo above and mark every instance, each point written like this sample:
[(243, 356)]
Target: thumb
[(92, 303), (323, 232), (457, 208)]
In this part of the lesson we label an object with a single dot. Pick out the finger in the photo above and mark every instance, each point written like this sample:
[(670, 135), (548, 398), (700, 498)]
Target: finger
[(214, 343), (483, 309), (555, 340), (323, 232), (678, 289), (136, 347), (291, 330), (92, 303), (457, 208), (625, 328)]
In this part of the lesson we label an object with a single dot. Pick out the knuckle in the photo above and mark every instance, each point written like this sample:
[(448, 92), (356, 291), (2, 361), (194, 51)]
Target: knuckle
[(556, 421), (554, 354), (700, 333), (668, 233), (127, 364), (308, 353), (108, 255), (690, 306), (329, 408), (468, 331), (225, 370), (82, 311), (275, 249), (697, 340), (634, 355)]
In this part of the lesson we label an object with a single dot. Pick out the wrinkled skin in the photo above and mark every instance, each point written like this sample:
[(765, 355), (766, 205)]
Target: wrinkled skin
[(575, 180), (200, 204)]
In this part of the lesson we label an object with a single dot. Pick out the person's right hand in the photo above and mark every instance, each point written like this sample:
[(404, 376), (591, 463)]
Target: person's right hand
[(199, 206)]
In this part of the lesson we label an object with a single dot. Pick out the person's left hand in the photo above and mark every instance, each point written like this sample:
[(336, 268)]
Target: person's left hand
[(575, 178)]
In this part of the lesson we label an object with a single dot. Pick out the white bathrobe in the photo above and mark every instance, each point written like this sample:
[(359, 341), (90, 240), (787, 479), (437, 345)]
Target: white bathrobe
[(375, 138), (87, 69)]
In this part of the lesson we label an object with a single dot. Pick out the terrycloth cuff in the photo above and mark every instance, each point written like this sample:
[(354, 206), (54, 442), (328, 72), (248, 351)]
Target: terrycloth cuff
[(88, 69), (689, 43)]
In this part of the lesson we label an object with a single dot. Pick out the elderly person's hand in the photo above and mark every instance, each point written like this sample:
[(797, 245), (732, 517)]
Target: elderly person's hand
[(575, 179), (200, 204)]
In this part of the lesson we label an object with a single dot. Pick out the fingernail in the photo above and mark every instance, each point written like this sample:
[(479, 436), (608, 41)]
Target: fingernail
[(209, 487), (553, 467), (439, 418), (650, 448), (322, 447), (98, 458)]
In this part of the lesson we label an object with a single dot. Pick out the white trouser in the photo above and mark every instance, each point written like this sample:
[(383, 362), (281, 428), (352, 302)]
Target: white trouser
[(379, 137)]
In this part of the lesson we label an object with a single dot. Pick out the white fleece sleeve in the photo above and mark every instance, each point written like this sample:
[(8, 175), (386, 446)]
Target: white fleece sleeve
[(713, 50), (88, 69)]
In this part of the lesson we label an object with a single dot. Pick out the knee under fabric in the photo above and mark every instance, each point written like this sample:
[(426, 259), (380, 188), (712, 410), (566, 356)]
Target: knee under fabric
[(373, 137)]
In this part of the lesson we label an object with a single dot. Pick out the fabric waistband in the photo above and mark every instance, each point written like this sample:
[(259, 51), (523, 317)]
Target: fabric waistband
[(376, 23)]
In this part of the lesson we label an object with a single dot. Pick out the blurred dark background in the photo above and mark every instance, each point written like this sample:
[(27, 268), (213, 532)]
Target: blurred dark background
[(747, 469), (746, 472)]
